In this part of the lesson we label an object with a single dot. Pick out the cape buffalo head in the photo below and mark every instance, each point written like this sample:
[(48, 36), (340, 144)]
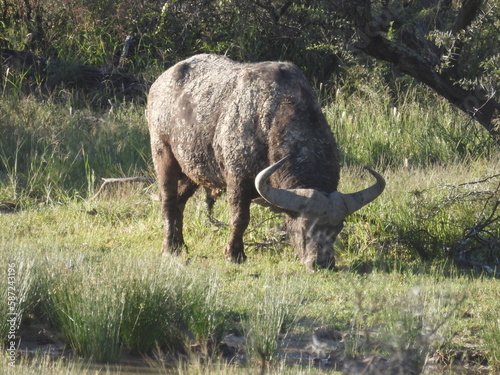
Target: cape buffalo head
[(315, 219)]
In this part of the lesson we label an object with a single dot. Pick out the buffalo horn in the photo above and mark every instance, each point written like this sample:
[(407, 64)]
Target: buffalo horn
[(306, 201), (343, 205), (313, 203)]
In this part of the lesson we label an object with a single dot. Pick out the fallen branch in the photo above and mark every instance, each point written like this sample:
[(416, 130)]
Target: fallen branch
[(107, 181), (484, 238), (473, 264)]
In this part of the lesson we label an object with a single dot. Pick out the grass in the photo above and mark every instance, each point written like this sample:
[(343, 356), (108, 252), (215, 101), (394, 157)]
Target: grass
[(274, 312), (91, 273), (492, 339), (52, 151), (105, 305), (416, 130), (87, 311), (90, 269)]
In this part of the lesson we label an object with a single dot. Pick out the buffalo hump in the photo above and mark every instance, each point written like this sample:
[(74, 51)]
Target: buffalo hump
[(223, 118)]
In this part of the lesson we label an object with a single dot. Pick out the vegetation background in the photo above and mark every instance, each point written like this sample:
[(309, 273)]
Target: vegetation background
[(417, 277)]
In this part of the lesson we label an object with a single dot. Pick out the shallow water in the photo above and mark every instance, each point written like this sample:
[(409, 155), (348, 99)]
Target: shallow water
[(38, 340)]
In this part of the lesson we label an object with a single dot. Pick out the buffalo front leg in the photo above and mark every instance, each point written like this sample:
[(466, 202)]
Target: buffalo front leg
[(239, 205)]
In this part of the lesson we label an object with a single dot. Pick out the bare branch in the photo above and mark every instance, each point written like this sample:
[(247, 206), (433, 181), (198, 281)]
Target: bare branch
[(107, 181), (466, 15), (414, 59)]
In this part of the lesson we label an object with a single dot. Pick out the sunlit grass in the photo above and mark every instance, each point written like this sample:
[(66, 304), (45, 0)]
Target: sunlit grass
[(54, 151), (388, 314), (91, 268), (416, 130), (492, 340)]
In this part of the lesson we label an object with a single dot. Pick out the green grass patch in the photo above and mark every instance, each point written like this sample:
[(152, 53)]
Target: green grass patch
[(90, 269), (110, 295)]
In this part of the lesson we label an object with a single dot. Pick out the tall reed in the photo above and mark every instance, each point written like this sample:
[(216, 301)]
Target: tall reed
[(416, 128), (270, 316), (491, 334), (130, 306)]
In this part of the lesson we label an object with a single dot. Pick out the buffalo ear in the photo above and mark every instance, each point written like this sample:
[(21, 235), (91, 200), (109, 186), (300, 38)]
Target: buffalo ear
[(262, 202)]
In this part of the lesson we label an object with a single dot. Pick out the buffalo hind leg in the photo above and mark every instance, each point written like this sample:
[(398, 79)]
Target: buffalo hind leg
[(185, 191), (174, 239), (239, 206), (174, 194)]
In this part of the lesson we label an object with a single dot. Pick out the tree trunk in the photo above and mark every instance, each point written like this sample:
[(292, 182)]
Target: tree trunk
[(483, 108)]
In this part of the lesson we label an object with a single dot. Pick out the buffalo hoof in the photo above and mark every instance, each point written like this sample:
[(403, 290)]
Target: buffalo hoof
[(173, 249), (236, 258), (312, 265), (329, 265)]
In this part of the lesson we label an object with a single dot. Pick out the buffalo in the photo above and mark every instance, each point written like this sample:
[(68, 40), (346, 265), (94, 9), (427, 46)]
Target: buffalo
[(256, 131)]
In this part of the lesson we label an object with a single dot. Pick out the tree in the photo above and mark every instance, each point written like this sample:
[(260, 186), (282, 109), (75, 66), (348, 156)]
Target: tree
[(451, 46)]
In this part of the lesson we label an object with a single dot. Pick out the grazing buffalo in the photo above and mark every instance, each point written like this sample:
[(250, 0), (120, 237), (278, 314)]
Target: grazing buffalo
[(256, 131)]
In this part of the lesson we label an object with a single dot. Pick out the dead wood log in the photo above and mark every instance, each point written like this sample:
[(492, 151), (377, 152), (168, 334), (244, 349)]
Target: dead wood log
[(40, 72)]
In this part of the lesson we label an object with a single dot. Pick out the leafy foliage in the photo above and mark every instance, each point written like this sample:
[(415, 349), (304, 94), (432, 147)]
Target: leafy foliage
[(55, 146)]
